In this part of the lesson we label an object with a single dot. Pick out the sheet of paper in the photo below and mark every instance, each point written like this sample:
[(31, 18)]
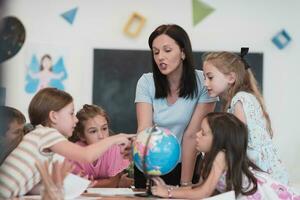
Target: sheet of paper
[(113, 191), (224, 196), (38, 197), (87, 198), (74, 186)]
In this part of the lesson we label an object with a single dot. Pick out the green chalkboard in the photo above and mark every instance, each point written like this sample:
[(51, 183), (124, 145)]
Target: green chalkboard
[(116, 73)]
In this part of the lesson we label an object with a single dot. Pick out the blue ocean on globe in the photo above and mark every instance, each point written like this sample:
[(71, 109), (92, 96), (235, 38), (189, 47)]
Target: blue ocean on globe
[(161, 151)]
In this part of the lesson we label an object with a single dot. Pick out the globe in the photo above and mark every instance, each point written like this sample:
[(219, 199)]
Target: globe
[(156, 151)]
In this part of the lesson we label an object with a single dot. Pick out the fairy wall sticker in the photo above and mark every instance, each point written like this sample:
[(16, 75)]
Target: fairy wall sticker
[(45, 73)]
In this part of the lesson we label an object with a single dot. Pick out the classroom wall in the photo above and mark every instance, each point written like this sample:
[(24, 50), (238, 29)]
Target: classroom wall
[(234, 23)]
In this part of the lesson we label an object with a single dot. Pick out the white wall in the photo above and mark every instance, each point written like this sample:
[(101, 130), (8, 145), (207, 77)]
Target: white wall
[(234, 23)]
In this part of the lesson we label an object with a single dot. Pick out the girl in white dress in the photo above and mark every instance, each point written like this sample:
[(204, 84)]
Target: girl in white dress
[(229, 76)]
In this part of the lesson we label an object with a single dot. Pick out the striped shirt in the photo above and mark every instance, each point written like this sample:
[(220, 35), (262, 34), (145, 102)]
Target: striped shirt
[(18, 173)]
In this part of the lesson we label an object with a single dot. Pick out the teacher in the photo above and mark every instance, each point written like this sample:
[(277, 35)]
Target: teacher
[(173, 97)]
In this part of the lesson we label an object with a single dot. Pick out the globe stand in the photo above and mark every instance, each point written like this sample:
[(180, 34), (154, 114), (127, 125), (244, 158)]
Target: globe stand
[(148, 192)]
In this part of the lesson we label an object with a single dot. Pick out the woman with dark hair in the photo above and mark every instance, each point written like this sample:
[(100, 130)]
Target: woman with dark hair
[(173, 96)]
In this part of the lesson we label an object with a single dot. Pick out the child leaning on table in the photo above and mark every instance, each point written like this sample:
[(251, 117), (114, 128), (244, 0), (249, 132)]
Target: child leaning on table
[(51, 112), (223, 139), (107, 170)]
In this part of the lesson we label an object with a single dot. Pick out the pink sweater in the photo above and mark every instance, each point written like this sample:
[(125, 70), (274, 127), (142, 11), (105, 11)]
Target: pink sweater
[(109, 164)]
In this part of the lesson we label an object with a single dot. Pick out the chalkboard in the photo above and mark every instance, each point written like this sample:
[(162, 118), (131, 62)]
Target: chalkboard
[(116, 73)]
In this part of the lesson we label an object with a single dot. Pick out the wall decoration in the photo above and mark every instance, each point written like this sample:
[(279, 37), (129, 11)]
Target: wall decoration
[(12, 37), (200, 11), (134, 24), (114, 81), (281, 39), (70, 15), (43, 73)]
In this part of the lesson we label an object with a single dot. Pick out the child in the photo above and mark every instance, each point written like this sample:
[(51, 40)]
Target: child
[(223, 138), (93, 127), (229, 76), (51, 112), (11, 130)]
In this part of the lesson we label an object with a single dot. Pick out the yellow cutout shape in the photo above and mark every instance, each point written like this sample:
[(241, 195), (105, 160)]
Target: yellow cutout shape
[(134, 25)]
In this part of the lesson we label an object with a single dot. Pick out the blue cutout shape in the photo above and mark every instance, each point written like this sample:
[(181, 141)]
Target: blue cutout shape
[(58, 68), (69, 16), (281, 39), (58, 73), (32, 83)]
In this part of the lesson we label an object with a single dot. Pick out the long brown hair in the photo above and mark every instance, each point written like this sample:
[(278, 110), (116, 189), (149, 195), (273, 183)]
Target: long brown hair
[(85, 113), (45, 101), (227, 62), (188, 83), (231, 136)]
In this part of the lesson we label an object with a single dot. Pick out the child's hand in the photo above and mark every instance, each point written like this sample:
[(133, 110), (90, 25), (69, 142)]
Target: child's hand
[(160, 189), (60, 171), (125, 142), (126, 151), (53, 180), (159, 181), (125, 181), (93, 182), (123, 139)]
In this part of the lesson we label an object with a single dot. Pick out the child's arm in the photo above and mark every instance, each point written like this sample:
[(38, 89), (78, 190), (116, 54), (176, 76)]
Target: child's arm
[(91, 152), (125, 181), (204, 190), (111, 182), (239, 112)]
